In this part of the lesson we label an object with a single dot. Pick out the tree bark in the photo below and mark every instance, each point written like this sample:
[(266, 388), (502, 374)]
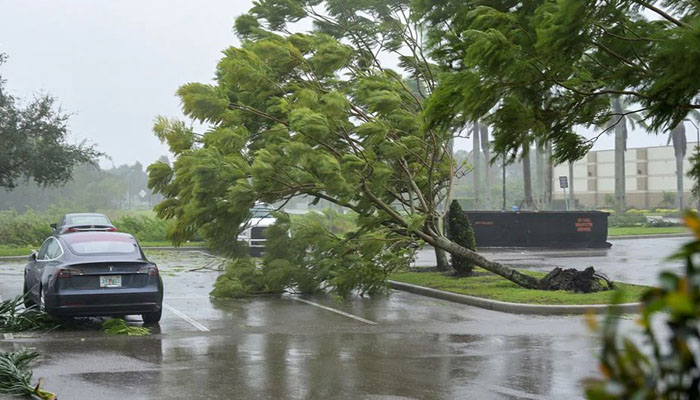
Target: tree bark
[(680, 146), (527, 179), (548, 172), (572, 197), (539, 189), (441, 257), (476, 159), (620, 147), (504, 271)]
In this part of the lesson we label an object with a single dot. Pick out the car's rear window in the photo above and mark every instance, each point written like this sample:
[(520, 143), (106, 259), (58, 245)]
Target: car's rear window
[(88, 220), (101, 244)]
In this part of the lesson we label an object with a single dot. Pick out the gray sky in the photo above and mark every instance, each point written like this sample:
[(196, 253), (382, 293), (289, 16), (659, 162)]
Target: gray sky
[(115, 65)]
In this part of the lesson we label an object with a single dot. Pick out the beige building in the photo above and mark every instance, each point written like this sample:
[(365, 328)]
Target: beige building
[(649, 172)]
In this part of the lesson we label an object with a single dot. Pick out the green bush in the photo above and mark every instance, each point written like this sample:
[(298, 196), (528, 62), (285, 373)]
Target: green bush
[(460, 231), (626, 220), (21, 230), (147, 229)]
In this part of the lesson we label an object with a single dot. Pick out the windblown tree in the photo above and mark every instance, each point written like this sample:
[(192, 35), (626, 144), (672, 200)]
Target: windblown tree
[(33, 141), (315, 114)]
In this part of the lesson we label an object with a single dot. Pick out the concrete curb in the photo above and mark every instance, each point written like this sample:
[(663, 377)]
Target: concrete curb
[(654, 236), (514, 308)]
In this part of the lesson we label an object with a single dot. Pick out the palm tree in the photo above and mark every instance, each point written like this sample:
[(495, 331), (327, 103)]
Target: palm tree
[(680, 146), (476, 159), (527, 178), (619, 121)]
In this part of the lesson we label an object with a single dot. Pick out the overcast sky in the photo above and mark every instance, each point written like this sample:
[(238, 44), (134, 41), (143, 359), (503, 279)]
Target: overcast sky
[(115, 65)]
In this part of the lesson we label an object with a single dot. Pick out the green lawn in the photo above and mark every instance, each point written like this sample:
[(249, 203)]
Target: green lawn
[(494, 287), (643, 230), (7, 251)]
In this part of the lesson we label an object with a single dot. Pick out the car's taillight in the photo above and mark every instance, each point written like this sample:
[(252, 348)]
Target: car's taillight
[(149, 269), (112, 229), (68, 272)]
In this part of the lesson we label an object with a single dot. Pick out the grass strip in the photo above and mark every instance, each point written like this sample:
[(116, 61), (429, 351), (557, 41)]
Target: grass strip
[(489, 286), (644, 230)]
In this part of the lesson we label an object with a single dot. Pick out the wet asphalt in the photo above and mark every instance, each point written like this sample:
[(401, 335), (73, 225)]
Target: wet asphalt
[(277, 347)]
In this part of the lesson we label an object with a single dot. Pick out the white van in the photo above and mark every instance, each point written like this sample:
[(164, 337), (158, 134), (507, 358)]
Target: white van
[(254, 234)]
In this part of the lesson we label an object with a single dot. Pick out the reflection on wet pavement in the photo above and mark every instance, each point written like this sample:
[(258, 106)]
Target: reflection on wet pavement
[(273, 347)]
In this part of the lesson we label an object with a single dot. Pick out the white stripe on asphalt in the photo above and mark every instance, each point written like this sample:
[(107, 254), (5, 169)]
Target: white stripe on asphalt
[(186, 318), (355, 317)]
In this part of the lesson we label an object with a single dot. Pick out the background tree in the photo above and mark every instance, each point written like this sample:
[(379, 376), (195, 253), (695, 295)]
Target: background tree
[(315, 114), (34, 141)]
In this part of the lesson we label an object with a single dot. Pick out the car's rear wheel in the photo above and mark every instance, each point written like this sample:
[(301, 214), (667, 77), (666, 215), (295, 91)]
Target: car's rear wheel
[(28, 302), (152, 317)]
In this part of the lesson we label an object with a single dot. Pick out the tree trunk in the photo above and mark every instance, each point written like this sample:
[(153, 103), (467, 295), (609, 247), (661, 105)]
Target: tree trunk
[(548, 172), (504, 271), (486, 147), (680, 146), (539, 173), (572, 197), (620, 147), (441, 257), (527, 179), (476, 159)]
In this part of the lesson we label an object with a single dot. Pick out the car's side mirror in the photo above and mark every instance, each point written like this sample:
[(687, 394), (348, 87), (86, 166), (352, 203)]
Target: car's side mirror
[(54, 225), (32, 257)]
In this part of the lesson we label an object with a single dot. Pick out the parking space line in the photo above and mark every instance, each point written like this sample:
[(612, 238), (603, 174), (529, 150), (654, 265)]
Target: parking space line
[(186, 318), (355, 317)]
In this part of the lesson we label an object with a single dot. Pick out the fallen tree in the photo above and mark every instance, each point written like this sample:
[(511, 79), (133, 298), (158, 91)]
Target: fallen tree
[(318, 115)]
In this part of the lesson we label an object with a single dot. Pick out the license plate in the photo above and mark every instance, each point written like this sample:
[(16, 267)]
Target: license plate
[(111, 281)]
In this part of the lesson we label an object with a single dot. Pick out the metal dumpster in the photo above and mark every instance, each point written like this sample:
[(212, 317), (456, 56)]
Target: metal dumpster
[(557, 229)]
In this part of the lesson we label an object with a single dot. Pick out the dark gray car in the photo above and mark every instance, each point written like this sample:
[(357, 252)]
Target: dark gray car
[(80, 222), (93, 274)]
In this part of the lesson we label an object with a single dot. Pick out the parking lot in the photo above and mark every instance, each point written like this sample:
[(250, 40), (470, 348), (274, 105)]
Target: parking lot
[(401, 346)]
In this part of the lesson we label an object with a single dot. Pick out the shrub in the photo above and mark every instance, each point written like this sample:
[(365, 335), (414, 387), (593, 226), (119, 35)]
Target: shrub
[(28, 229), (144, 228), (460, 231), (626, 220)]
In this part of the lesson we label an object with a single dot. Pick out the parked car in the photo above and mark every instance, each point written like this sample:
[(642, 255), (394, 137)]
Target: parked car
[(79, 222), (254, 234), (93, 274)]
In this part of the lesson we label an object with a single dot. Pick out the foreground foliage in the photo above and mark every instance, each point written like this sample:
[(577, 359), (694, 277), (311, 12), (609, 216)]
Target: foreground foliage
[(14, 317), (16, 375), (662, 361)]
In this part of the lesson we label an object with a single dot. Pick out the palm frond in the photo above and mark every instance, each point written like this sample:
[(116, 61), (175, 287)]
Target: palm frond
[(14, 317), (117, 326), (16, 375)]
